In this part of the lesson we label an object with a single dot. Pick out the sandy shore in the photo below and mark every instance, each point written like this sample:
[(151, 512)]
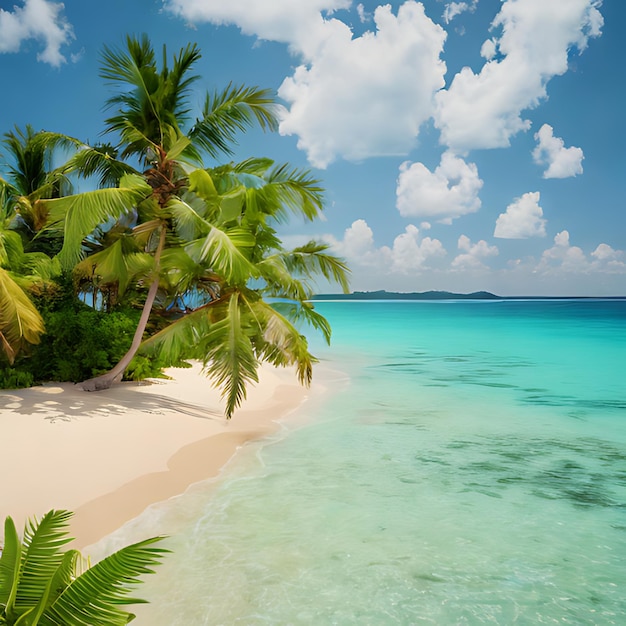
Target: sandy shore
[(108, 455)]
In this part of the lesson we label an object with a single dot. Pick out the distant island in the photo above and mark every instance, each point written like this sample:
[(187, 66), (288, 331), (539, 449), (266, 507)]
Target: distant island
[(395, 295), (445, 295)]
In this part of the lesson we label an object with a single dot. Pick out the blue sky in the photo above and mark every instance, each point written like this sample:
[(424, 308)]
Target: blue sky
[(463, 145)]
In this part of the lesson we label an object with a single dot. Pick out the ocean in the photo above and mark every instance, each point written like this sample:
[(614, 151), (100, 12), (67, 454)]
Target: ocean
[(465, 465)]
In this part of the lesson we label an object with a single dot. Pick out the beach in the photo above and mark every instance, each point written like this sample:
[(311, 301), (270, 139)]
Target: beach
[(108, 455)]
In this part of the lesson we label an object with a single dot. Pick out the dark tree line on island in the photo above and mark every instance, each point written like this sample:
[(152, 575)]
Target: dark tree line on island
[(167, 260)]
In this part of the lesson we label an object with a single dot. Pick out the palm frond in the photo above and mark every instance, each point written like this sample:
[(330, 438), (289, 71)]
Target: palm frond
[(180, 339), (222, 251), (299, 312), (11, 248), (281, 283), (41, 556), (93, 597), (298, 191), (100, 161), (234, 109), (179, 272), (115, 264), (79, 215), (311, 259), (31, 155), (280, 342), (10, 560), (229, 358), (20, 322), (150, 114), (189, 223)]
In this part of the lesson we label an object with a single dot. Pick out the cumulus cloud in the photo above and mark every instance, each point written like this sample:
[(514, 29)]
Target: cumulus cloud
[(363, 16), (562, 162), (523, 218), (473, 254), (484, 110), (604, 252), (445, 194), (41, 20), (351, 97), (409, 253), (456, 8), (564, 259), (564, 256), (369, 95)]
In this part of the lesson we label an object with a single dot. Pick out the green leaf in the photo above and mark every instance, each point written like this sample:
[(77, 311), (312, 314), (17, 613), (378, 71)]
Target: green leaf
[(10, 561), (79, 215), (20, 322), (189, 224), (229, 357), (41, 556), (201, 183), (231, 205), (234, 109), (281, 343), (95, 595), (304, 312), (222, 251)]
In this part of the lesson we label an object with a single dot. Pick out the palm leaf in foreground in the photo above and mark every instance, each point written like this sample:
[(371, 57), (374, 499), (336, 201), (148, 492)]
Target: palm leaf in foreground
[(40, 585), (94, 597)]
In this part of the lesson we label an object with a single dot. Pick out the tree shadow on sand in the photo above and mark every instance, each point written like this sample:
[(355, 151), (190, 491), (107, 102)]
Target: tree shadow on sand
[(67, 402)]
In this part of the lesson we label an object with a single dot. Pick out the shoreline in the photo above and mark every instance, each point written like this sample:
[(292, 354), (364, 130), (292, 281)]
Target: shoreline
[(107, 456)]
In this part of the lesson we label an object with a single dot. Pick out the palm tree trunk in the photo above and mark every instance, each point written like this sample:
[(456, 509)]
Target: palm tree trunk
[(114, 375)]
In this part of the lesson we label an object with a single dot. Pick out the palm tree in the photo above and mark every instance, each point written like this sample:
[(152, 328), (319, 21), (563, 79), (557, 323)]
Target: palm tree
[(26, 267), (42, 585), (199, 241), (31, 178)]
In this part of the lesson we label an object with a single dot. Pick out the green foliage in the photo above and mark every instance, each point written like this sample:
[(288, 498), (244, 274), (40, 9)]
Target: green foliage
[(43, 585), (142, 367), (12, 378), (197, 244), (81, 342)]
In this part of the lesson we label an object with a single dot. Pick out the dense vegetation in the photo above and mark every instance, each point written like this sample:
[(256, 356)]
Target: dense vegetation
[(167, 258)]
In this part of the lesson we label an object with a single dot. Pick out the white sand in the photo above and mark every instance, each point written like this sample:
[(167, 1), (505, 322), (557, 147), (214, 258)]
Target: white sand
[(108, 455)]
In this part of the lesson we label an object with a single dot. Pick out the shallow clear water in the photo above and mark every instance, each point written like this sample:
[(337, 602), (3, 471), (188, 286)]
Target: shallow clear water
[(468, 467)]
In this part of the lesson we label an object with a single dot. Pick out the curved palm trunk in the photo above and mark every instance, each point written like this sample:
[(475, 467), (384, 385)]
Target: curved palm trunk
[(114, 375)]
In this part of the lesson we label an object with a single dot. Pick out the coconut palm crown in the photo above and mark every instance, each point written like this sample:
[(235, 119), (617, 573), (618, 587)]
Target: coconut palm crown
[(199, 242)]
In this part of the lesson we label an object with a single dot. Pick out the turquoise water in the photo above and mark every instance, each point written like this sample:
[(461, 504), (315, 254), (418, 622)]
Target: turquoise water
[(467, 466)]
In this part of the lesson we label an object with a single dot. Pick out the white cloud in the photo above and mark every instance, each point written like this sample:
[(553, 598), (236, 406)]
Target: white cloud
[(363, 16), (473, 254), (409, 253), (484, 110), (489, 49), (295, 22), (568, 259), (604, 252), (351, 97), (563, 256), (523, 218), (456, 8), (445, 194), (369, 95), (40, 20), (562, 162)]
